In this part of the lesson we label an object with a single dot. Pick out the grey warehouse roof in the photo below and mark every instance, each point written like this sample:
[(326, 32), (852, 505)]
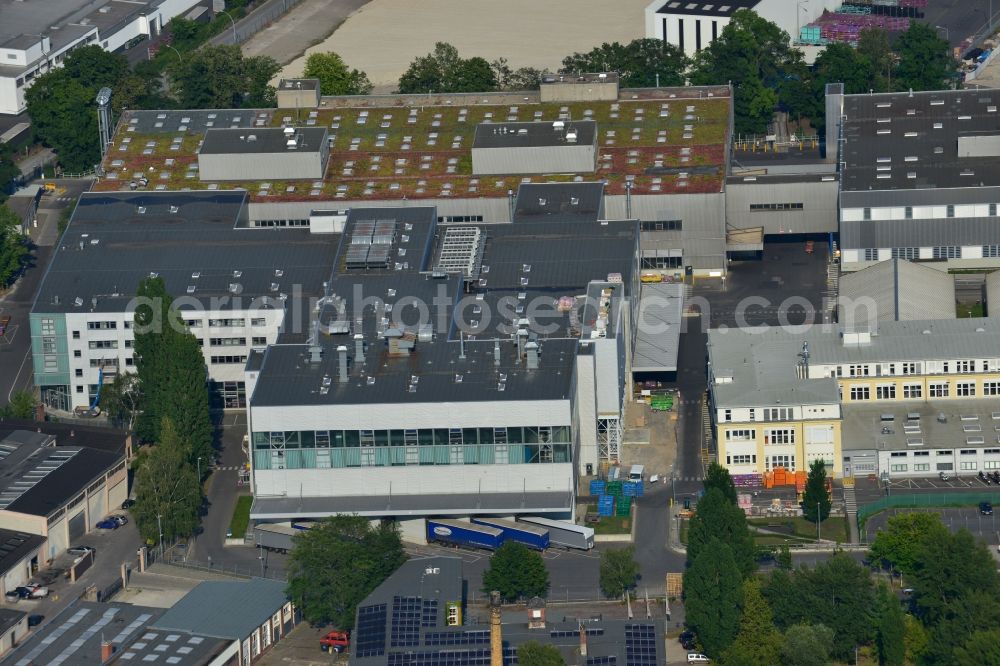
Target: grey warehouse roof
[(919, 133), (534, 134), (37, 477), (194, 121), (15, 546), (190, 239), (706, 7), (75, 634), (224, 608), (938, 424), (559, 202), (898, 290), (262, 140), (658, 329)]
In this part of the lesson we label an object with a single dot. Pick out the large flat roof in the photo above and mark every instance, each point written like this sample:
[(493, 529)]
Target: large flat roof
[(559, 202), (74, 636), (539, 134), (225, 608), (890, 136), (658, 329), (220, 141), (706, 7), (37, 477), (526, 269), (417, 147), (895, 290), (952, 424), (116, 239)]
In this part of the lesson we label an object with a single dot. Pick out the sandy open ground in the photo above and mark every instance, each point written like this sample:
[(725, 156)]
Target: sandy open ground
[(384, 36)]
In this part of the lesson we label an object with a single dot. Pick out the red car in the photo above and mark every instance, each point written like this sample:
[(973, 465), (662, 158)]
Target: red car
[(338, 641), (810, 246)]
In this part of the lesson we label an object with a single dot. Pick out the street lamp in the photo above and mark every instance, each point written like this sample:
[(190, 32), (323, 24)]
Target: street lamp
[(229, 16), (199, 468), (179, 56), (946, 37), (261, 558), (819, 522), (159, 527), (798, 17)]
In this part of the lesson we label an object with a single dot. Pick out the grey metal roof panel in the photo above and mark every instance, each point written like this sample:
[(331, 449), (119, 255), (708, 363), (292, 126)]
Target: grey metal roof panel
[(920, 125), (863, 425), (441, 504), (219, 141), (225, 609), (533, 134), (110, 246), (658, 329), (919, 233), (900, 290), (14, 547), (559, 202), (195, 121), (706, 7)]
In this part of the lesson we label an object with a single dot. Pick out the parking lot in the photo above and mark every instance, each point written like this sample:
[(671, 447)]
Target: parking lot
[(984, 528), (937, 483)]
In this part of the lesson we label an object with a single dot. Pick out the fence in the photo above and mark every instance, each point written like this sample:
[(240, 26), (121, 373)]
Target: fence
[(865, 511), (253, 23)]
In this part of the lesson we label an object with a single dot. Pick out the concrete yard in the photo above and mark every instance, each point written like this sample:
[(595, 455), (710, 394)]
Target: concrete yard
[(384, 36)]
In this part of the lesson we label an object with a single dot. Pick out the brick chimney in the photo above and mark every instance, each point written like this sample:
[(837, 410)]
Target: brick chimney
[(536, 613), (496, 632), (583, 641), (107, 650)]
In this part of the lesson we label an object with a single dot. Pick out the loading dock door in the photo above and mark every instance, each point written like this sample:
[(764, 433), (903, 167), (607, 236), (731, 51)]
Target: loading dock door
[(77, 526)]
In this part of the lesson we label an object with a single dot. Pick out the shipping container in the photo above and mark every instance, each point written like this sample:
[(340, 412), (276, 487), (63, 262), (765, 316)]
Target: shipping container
[(562, 533), (531, 536), (274, 537), (459, 533)]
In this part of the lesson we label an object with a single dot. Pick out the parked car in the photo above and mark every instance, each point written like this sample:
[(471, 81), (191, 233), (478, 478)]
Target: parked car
[(37, 591), (84, 412), (23, 592), (698, 658), (108, 524), (80, 550), (121, 520), (128, 504), (985, 508), (943, 476), (35, 620), (12, 596), (686, 639)]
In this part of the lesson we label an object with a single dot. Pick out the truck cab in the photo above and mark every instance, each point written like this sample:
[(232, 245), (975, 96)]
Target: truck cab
[(637, 473)]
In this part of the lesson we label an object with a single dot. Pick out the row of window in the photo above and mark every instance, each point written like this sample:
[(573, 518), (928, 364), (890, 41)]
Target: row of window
[(937, 252), (660, 225), (483, 454), (934, 390), (949, 212), (943, 452), (766, 414), (944, 467), (662, 262), (959, 366), (294, 439), (460, 218), (775, 206), (228, 360)]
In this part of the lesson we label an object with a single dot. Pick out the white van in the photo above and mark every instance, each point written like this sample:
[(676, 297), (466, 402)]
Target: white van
[(637, 473)]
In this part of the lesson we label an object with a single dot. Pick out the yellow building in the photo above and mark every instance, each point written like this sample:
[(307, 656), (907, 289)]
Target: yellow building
[(911, 398)]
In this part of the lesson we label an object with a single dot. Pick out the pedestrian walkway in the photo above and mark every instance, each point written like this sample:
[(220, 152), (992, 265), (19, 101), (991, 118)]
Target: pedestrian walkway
[(851, 508)]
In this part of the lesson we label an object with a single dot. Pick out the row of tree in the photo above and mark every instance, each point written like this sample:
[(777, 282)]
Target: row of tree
[(751, 53), (13, 247)]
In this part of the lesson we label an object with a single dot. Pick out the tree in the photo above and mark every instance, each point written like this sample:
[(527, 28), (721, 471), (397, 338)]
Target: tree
[(121, 400), (712, 593), (62, 103), (167, 489), (13, 251), (897, 545), (973, 611), (534, 653), (753, 54), (516, 572), (982, 647), (221, 77), (171, 368), (757, 643), (947, 567), (717, 518), (525, 78), (444, 71), (784, 558), (807, 645), (839, 62), (335, 78), (916, 639), (9, 173), (21, 406), (838, 593), (619, 570), (890, 629), (337, 563), (873, 46), (816, 500), (924, 59), (718, 477), (642, 63)]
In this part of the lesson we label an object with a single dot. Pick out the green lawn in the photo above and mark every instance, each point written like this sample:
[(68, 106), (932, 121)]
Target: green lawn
[(610, 524), (797, 529), (241, 517), (966, 310)]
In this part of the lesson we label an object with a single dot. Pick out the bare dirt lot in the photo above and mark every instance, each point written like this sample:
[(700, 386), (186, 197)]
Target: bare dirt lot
[(384, 36)]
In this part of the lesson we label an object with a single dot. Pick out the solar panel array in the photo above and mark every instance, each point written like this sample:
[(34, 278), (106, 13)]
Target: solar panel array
[(370, 636), (473, 657), (461, 251), (430, 615), (371, 243), (406, 617), (472, 637), (608, 660), (640, 645)]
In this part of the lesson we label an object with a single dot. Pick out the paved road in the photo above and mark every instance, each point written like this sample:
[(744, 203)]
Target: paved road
[(308, 23)]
